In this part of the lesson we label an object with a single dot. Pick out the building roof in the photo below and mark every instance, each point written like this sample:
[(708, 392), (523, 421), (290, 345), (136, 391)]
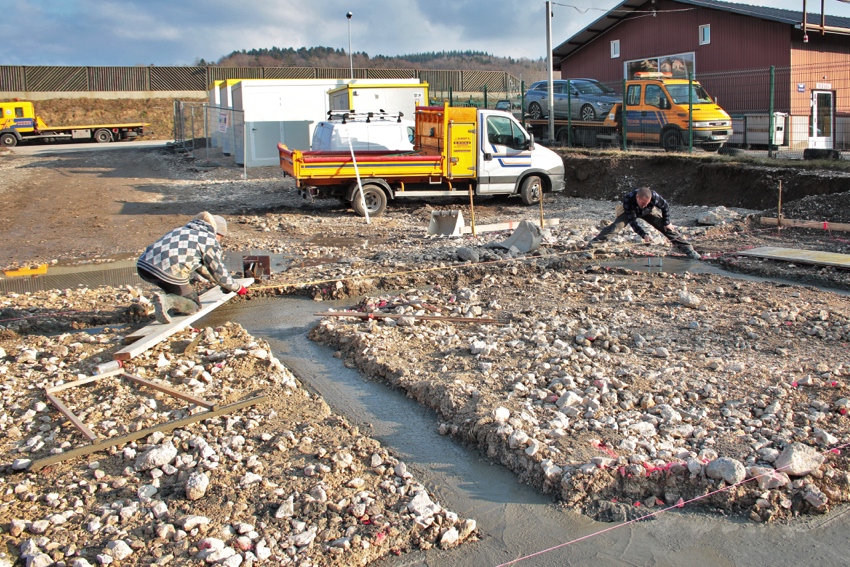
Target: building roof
[(627, 9)]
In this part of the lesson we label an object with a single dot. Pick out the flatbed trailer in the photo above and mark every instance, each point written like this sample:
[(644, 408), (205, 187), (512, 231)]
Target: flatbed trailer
[(19, 123)]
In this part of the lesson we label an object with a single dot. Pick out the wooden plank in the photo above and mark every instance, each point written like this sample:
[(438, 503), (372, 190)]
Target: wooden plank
[(801, 256), (376, 315), (81, 381), (71, 417), (792, 223), (105, 444), (159, 332), (170, 391), (510, 225)]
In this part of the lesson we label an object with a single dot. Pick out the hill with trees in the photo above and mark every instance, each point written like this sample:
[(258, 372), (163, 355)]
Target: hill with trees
[(523, 68)]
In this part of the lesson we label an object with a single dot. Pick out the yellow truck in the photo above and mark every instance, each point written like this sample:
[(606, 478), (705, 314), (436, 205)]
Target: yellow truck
[(657, 113), (455, 150), (19, 123)]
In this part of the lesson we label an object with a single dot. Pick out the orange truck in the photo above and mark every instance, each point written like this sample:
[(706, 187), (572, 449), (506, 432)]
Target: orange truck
[(456, 150), (19, 123), (657, 113)]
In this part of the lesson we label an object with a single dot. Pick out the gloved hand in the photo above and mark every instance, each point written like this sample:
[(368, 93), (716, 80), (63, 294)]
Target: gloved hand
[(242, 290), (647, 239)]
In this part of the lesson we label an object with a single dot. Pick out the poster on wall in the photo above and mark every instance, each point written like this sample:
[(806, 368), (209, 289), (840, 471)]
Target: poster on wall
[(678, 66)]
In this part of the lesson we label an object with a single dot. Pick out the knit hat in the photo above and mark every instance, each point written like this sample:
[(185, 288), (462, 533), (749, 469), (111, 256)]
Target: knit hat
[(220, 225)]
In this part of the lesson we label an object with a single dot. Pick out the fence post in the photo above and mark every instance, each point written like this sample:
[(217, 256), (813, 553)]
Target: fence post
[(522, 100), (770, 119), (569, 114), (485, 96), (690, 113), (451, 96), (624, 124)]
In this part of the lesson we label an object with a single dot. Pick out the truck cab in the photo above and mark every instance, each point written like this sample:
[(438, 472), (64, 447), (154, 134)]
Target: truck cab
[(657, 110)]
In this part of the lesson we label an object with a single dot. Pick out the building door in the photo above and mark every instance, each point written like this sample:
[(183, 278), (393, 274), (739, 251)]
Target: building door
[(820, 123)]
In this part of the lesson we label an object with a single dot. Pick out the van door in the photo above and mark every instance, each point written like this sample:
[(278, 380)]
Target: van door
[(504, 155), (652, 117), (633, 115)]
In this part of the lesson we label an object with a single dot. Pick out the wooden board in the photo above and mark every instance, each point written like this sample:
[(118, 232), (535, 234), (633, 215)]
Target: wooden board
[(801, 256), (792, 223), (157, 332)]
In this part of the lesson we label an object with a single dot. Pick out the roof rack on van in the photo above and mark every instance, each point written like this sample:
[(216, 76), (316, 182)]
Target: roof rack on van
[(346, 115)]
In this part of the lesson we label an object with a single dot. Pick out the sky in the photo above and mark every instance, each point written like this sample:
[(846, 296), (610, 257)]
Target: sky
[(180, 32)]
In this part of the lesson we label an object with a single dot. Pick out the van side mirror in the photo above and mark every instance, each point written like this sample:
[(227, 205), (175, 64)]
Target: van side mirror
[(530, 145), (664, 103)]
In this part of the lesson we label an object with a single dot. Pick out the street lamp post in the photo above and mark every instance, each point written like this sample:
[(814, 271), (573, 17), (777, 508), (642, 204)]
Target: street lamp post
[(350, 56)]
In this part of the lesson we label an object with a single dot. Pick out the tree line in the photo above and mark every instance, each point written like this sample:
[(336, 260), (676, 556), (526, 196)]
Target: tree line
[(528, 69)]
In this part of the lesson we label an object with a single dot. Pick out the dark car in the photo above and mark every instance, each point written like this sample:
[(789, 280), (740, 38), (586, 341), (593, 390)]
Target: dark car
[(588, 99)]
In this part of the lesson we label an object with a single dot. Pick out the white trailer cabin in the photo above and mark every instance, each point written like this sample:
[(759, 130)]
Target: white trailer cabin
[(389, 97), (285, 111)]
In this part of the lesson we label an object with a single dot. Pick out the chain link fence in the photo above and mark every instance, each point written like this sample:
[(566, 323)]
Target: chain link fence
[(213, 136), (789, 112)]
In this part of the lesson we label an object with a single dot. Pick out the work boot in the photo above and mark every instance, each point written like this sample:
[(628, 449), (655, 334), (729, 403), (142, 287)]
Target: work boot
[(591, 244), (161, 305), (693, 254), (183, 305)]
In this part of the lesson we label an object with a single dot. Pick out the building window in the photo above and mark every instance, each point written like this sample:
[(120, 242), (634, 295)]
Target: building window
[(615, 49), (705, 34)]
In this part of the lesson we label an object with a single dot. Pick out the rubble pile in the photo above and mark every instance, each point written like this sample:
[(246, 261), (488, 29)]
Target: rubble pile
[(282, 482), (639, 389)]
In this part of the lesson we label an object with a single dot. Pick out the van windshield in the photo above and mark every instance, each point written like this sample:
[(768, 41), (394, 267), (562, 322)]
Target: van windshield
[(680, 94)]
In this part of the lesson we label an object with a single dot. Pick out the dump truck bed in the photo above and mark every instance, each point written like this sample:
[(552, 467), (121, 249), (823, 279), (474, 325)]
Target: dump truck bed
[(328, 168)]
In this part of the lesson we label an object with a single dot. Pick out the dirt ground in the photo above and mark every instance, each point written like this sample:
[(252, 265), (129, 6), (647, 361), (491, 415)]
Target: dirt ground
[(615, 389)]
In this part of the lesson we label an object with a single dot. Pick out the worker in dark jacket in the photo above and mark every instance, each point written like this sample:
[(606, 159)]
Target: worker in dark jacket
[(184, 253), (644, 203)]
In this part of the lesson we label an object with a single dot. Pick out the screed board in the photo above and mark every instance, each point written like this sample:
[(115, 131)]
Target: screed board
[(801, 256)]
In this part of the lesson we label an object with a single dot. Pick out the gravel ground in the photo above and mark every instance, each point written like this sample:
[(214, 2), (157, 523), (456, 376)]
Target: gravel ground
[(613, 389)]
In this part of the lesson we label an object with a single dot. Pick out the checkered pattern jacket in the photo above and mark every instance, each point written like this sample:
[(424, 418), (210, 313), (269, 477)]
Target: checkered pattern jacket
[(184, 251)]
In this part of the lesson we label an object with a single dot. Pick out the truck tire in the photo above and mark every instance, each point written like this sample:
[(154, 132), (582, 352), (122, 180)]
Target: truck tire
[(671, 141), (532, 187), (563, 137), (102, 136), (587, 113), (711, 147), (8, 140), (376, 201), (535, 111)]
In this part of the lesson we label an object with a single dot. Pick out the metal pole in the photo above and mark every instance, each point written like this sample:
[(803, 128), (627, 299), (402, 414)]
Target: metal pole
[(350, 55), (771, 125), (690, 112), (550, 72)]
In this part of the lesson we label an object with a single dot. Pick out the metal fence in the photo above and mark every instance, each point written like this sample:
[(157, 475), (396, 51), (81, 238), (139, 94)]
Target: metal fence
[(17, 79), (213, 136), (787, 112)]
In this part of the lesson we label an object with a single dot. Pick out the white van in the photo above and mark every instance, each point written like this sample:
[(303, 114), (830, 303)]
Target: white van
[(375, 132)]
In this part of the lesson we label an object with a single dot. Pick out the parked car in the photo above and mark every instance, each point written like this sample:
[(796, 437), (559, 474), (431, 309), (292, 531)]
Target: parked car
[(588, 99)]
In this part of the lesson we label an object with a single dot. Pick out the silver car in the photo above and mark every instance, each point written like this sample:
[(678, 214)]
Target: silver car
[(588, 99)]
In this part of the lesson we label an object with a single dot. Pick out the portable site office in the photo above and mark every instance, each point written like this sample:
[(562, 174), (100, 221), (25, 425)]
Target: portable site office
[(284, 111)]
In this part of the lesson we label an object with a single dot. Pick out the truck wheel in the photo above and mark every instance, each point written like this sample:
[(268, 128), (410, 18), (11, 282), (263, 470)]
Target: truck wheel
[(671, 141), (376, 201), (587, 113), (564, 137), (8, 140), (711, 147), (102, 136), (535, 111), (532, 187)]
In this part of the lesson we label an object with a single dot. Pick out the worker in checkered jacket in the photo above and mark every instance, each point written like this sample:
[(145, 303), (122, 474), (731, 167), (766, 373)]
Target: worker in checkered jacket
[(646, 204), (190, 252)]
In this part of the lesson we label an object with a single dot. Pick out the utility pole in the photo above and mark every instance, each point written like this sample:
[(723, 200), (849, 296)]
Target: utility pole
[(550, 72), (350, 56)]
